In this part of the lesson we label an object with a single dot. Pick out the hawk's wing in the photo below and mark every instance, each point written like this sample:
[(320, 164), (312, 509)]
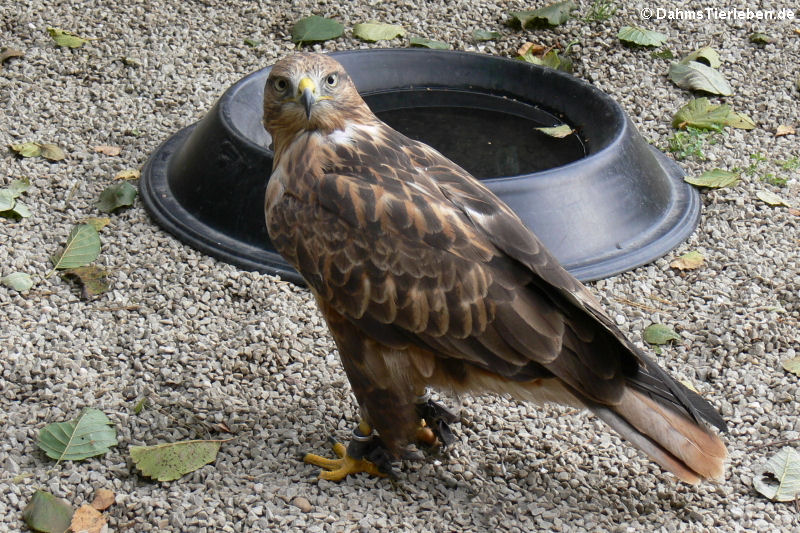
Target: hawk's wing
[(413, 251)]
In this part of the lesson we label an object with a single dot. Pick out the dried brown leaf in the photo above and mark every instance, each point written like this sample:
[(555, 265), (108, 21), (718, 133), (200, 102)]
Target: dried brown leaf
[(103, 499), (782, 130), (88, 519), (108, 149), (534, 49), (688, 261)]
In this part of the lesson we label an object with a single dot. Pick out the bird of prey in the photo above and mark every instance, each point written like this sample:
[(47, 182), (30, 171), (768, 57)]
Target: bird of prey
[(427, 279)]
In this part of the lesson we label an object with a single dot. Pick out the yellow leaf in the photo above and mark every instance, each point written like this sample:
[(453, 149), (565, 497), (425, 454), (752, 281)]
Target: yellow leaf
[(688, 261), (128, 174)]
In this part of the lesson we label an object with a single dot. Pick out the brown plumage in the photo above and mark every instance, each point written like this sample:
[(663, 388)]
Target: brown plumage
[(426, 278)]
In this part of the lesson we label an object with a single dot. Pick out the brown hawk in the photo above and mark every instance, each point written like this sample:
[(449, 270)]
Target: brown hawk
[(427, 279)]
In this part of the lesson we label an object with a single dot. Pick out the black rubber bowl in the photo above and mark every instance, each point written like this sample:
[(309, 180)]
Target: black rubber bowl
[(602, 200)]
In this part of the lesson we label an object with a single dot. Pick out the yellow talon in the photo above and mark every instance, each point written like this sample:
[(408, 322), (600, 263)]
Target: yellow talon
[(338, 469)]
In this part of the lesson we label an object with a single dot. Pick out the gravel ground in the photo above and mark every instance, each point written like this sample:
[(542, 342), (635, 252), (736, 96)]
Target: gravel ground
[(210, 344)]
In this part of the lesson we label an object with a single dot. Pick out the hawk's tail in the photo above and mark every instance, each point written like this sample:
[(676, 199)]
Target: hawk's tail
[(673, 440)]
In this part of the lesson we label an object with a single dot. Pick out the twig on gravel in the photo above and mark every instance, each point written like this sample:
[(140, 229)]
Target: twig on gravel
[(636, 304), (774, 443)]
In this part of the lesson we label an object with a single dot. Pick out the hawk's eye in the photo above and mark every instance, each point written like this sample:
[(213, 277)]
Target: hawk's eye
[(332, 80), (280, 85)]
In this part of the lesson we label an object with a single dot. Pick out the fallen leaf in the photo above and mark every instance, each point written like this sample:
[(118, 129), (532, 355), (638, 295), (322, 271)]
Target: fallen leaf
[(47, 514), (485, 35), (666, 53), (92, 279), (52, 152), (659, 334), (92, 433), (17, 187), (116, 195), (696, 76), (780, 478), (428, 43), (782, 130), (640, 36), (688, 261), (103, 499), (531, 49), (705, 55), (19, 210), (771, 198), (140, 405), (794, 212), (714, 179), (375, 31), (82, 247), (689, 385), (7, 200), (302, 503), (702, 114), (8, 53), (128, 174), (169, 461), (27, 149), (314, 28), (792, 365), (559, 132), (97, 223), (66, 38), (552, 14), (19, 281), (252, 43), (551, 59), (108, 150), (89, 520), (760, 38)]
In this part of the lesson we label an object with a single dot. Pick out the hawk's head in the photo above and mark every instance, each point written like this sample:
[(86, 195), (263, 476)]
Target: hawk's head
[(308, 91)]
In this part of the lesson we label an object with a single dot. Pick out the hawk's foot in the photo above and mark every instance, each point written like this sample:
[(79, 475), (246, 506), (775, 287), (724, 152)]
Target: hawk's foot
[(365, 453), (436, 420)]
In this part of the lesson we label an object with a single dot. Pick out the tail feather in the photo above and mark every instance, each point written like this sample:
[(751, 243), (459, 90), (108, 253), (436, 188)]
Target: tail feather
[(671, 439)]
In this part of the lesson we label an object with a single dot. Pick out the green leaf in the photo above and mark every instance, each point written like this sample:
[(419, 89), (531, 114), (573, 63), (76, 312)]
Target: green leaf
[(705, 55), (659, 334), (47, 514), (27, 149), (17, 187), (313, 29), (252, 42), (20, 210), (140, 405), (702, 114), (698, 77), (640, 36), (550, 59), (66, 38), (761, 38), (19, 281), (92, 433), (374, 31), (559, 132), (485, 35), (553, 14), (780, 480), (7, 200), (771, 198), (714, 179), (688, 261), (93, 279), (666, 53), (169, 461), (82, 247), (428, 43), (792, 365), (52, 152), (116, 196)]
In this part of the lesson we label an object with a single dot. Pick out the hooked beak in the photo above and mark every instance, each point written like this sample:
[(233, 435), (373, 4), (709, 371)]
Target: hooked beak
[(306, 90)]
